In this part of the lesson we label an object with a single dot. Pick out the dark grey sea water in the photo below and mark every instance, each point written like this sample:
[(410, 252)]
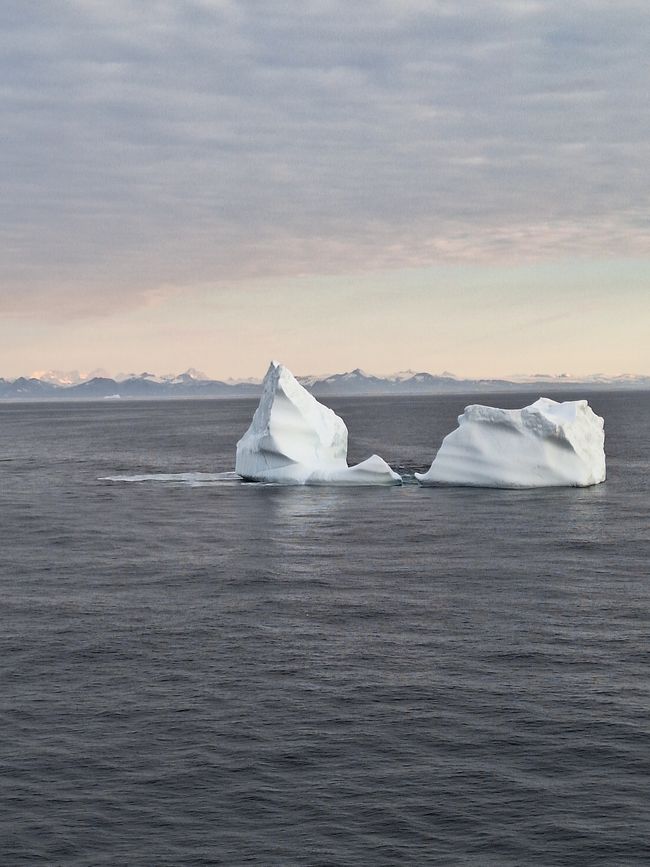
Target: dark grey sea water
[(202, 672)]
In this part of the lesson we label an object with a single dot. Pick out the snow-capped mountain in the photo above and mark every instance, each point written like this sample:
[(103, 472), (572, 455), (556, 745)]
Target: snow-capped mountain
[(65, 377), (48, 385), (191, 375)]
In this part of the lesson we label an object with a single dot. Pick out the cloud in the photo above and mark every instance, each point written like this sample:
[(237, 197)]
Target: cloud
[(153, 144)]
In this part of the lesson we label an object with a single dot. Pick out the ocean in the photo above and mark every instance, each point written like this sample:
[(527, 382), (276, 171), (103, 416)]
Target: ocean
[(198, 671)]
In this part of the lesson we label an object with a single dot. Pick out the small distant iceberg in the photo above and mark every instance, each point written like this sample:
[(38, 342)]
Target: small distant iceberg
[(112, 397), (295, 440), (546, 444)]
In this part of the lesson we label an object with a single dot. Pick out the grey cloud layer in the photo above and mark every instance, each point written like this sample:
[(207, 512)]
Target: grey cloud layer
[(159, 143)]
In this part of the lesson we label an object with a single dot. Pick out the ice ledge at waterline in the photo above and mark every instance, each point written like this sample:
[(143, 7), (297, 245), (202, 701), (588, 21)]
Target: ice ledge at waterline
[(295, 440), (546, 444)]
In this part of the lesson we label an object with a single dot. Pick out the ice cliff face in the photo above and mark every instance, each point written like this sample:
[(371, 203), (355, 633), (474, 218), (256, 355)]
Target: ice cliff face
[(294, 439), (546, 444)]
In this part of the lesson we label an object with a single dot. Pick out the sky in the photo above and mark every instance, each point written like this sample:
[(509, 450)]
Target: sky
[(388, 184)]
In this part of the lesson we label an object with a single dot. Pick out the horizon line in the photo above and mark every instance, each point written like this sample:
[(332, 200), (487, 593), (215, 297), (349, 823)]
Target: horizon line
[(72, 377)]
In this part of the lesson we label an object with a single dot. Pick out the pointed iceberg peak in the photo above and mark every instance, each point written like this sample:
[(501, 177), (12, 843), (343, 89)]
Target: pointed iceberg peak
[(294, 439), (546, 444)]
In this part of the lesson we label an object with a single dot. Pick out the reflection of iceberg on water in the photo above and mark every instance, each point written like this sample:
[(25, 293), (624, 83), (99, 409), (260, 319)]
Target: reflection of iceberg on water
[(293, 439), (546, 444)]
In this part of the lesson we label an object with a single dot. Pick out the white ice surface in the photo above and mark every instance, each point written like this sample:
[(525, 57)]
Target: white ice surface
[(546, 444), (194, 480), (295, 440)]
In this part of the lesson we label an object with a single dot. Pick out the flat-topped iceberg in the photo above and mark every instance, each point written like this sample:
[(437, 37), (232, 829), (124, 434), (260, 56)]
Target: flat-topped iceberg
[(293, 439), (546, 444)]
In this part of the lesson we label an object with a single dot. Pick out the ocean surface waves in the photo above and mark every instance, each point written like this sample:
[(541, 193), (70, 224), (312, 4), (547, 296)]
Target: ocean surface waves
[(197, 671)]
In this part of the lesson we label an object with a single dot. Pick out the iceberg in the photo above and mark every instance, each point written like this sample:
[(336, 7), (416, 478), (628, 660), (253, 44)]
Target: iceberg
[(295, 440), (546, 444)]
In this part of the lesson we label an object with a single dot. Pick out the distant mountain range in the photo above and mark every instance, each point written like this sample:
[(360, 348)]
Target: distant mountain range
[(54, 385)]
